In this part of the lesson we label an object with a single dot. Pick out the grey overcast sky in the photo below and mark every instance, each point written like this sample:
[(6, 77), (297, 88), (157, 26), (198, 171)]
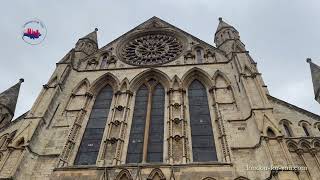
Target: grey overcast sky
[(279, 34)]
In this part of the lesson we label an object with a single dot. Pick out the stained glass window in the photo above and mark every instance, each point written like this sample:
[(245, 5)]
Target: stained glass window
[(203, 147), (135, 149), (155, 130), (90, 144), (155, 141)]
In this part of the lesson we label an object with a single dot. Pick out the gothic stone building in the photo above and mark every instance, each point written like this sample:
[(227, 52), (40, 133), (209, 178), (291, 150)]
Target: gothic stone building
[(158, 104)]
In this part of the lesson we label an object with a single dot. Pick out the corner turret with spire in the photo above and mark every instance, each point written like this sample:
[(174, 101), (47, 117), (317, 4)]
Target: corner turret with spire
[(86, 45), (227, 38), (8, 102)]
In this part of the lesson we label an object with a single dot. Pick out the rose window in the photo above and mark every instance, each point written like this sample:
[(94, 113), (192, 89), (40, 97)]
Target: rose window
[(151, 49)]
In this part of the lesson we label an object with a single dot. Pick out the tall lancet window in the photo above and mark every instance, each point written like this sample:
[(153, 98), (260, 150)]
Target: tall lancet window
[(90, 144), (146, 135), (203, 147)]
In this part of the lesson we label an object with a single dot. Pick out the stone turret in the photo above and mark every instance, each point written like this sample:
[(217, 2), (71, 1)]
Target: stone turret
[(86, 45), (8, 101), (227, 38)]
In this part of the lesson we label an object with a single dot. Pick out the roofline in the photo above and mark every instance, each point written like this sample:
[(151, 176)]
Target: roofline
[(172, 26), (303, 111)]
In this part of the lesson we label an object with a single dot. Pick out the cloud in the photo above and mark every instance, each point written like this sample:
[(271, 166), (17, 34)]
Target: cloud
[(278, 34)]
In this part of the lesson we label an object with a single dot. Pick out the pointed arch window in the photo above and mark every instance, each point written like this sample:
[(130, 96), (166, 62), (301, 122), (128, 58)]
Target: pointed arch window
[(203, 146), (146, 136), (90, 144)]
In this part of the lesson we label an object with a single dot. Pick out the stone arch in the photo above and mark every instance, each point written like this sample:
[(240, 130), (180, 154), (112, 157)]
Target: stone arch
[(241, 178), (292, 146), (196, 73), (286, 125), (20, 142), (218, 74), (317, 126), (3, 140), (315, 143), (304, 145), (304, 121), (285, 121), (102, 81), (124, 174), (65, 74), (198, 46), (223, 89), (176, 82), (124, 85), (270, 132), (305, 126), (82, 87), (267, 123), (208, 178), (156, 174), (137, 81), (77, 99)]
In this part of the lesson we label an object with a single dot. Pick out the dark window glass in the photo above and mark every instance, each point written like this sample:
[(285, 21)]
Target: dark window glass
[(305, 130), (199, 56), (270, 133), (90, 144), (135, 148), (287, 129), (203, 146), (155, 140)]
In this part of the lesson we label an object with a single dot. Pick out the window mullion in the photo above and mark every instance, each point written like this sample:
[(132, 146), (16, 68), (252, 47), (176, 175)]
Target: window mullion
[(147, 127)]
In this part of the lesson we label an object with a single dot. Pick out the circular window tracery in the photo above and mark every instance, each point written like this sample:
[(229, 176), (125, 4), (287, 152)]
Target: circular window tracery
[(151, 49)]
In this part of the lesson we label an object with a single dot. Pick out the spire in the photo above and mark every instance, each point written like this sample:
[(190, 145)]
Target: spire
[(92, 36), (227, 38), (9, 97), (315, 73), (223, 25), (86, 45)]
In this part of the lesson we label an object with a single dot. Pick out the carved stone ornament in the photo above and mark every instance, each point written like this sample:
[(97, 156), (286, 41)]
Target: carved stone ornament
[(151, 48)]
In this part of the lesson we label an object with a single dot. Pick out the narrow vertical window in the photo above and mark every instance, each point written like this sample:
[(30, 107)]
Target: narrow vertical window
[(90, 144), (135, 149), (287, 129), (146, 136), (305, 129), (199, 55), (203, 147), (155, 144)]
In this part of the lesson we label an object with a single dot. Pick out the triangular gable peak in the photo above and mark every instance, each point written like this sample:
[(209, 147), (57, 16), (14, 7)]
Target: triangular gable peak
[(170, 46)]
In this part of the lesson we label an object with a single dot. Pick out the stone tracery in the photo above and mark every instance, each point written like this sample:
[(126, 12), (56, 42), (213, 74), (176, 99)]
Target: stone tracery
[(151, 49)]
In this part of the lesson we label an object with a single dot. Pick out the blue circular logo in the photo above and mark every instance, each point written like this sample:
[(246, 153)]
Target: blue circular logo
[(34, 32)]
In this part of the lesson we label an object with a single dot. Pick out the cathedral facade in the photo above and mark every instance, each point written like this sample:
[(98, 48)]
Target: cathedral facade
[(158, 104)]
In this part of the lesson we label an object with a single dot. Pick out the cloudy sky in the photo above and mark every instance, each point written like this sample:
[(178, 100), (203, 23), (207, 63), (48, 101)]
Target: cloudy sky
[(278, 34)]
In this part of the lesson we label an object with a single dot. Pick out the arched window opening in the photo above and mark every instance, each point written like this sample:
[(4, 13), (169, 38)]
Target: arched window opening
[(318, 128), (146, 135), (305, 129), (270, 133), (203, 146), (199, 55), (104, 61), (90, 144), (287, 129)]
